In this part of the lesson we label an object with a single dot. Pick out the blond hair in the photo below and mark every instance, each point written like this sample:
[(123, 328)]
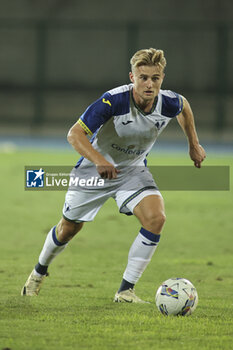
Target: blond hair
[(148, 57)]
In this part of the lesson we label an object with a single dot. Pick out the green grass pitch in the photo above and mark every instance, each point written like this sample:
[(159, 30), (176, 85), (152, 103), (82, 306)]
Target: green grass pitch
[(74, 309)]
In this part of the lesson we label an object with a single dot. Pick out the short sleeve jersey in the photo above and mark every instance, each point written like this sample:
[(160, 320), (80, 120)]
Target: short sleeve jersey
[(123, 133)]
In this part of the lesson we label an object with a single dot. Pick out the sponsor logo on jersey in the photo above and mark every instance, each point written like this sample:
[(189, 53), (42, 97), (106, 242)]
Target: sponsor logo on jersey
[(128, 149), (106, 101), (35, 178)]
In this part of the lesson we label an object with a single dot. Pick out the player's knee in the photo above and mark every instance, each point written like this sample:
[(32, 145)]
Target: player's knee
[(155, 221), (67, 229), (162, 219)]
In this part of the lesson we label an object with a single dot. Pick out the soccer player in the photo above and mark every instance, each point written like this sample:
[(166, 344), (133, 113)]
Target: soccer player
[(123, 124)]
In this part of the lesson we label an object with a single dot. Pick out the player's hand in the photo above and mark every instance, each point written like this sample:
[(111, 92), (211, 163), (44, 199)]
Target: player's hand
[(107, 171), (197, 154)]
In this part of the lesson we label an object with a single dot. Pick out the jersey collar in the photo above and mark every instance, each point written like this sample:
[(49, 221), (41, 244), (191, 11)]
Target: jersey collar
[(139, 109)]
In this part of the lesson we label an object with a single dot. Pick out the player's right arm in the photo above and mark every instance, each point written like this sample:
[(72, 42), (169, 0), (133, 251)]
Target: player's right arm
[(77, 137)]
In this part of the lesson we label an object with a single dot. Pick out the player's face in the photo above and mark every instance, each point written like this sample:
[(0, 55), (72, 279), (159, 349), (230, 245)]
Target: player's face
[(147, 82)]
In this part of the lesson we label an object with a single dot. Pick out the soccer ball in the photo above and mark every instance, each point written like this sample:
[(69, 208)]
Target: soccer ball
[(176, 296)]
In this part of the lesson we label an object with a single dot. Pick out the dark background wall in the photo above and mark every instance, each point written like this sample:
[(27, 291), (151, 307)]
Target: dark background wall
[(58, 56)]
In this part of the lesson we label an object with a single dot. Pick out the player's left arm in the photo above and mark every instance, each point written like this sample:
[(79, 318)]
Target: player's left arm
[(186, 121)]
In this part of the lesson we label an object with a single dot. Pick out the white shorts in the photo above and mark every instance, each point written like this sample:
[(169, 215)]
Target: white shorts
[(83, 204)]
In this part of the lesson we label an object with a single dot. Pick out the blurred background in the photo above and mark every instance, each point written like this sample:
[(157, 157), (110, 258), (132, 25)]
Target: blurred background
[(57, 57)]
